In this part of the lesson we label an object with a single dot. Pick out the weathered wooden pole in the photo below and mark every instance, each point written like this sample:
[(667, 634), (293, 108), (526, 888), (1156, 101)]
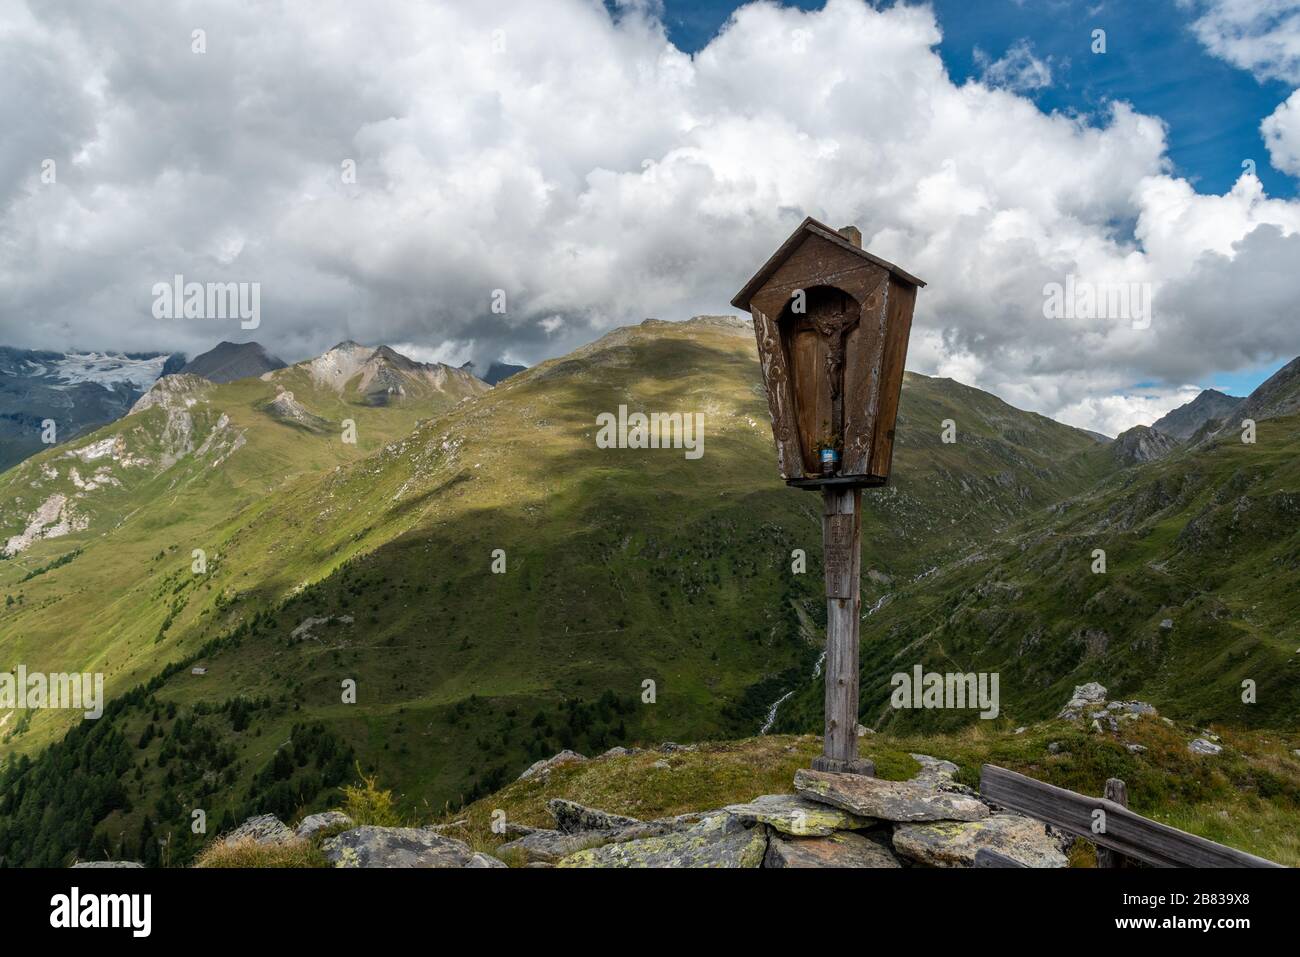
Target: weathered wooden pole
[(842, 560), (1117, 791)]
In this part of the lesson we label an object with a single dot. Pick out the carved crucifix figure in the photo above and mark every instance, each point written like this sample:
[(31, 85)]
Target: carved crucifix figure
[(834, 324)]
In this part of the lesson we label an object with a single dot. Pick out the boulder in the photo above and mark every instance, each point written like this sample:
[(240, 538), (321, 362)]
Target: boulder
[(888, 800), (544, 846), (544, 767), (842, 849), (798, 816), (263, 829), (718, 841), (1085, 697), (550, 846), (371, 846), (108, 864), (1201, 746), (312, 824), (934, 772), (954, 844), (571, 817)]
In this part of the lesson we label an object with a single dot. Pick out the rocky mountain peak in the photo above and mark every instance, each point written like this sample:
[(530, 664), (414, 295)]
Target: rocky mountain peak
[(1142, 443), (228, 361), (1185, 421)]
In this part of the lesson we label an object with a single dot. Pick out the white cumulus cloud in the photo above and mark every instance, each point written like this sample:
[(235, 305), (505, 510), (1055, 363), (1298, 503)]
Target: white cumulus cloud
[(576, 166)]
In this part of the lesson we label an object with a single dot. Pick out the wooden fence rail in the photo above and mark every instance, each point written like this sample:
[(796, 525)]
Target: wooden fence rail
[(1125, 833)]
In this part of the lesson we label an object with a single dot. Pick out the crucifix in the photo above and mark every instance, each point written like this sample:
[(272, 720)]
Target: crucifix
[(843, 358)]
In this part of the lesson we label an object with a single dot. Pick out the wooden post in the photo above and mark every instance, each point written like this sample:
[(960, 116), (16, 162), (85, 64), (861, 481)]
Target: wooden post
[(842, 560), (1117, 791)]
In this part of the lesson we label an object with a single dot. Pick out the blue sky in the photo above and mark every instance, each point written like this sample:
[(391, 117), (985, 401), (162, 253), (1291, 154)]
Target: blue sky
[(1154, 61), (1213, 110)]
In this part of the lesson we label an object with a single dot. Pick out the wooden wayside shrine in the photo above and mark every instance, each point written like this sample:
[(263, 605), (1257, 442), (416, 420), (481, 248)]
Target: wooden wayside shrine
[(832, 323)]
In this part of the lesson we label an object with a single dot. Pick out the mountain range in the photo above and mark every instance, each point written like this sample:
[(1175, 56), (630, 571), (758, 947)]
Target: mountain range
[(80, 391), (76, 391), (473, 584)]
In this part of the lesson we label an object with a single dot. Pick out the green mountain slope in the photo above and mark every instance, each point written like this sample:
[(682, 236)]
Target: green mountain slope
[(98, 537), (622, 566), (1199, 594)]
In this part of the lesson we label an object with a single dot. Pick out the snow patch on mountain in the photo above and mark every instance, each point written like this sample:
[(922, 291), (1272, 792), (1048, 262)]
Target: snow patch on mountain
[(107, 370)]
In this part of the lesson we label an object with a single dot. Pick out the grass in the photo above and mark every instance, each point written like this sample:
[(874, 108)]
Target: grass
[(249, 853), (1248, 797)]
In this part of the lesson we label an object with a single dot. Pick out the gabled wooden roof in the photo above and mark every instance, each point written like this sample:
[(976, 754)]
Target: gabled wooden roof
[(810, 227)]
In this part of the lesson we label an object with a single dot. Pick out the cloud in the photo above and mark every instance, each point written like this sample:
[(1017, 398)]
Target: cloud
[(577, 169), (1018, 69), (1261, 36), (1113, 414), (1281, 132)]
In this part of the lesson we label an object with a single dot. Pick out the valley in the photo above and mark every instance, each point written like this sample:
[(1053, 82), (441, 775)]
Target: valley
[(329, 563)]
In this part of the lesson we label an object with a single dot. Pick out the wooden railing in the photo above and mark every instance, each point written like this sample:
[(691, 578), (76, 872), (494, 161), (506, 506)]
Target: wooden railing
[(1122, 835)]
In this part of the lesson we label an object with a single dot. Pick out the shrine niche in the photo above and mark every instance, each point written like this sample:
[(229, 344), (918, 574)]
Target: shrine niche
[(832, 323)]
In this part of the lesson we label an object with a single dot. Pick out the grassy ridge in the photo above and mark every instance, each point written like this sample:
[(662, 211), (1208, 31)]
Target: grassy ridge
[(622, 567), (1199, 595)]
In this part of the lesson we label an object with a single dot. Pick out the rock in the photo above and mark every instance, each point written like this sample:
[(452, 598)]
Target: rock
[(934, 772), (108, 864), (571, 817), (263, 829), (370, 846), (718, 841), (313, 823), (551, 846), (1201, 746), (512, 830), (1135, 748), (863, 731), (1021, 730), (1091, 693), (662, 765), (1166, 624), (889, 800), (1296, 752), (798, 816), (544, 767), (1085, 696), (546, 847), (618, 752), (953, 844), (842, 849), (668, 747), (1053, 747), (1131, 708)]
